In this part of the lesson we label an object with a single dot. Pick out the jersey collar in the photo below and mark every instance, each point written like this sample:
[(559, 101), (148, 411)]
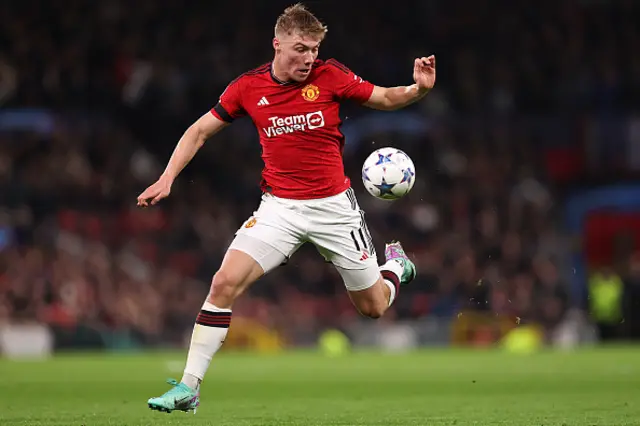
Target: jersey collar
[(277, 80)]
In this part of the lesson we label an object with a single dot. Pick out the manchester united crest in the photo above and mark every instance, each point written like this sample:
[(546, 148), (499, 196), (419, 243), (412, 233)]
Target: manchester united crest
[(310, 92)]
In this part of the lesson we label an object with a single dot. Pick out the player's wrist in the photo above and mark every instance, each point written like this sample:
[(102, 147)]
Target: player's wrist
[(417, 91), (421, 91), (167, 177)]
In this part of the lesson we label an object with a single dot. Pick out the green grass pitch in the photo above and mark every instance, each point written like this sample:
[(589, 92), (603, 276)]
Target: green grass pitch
[(435, 388)]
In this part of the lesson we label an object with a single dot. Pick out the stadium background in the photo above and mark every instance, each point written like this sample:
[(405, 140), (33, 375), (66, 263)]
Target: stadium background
[(525, 215)]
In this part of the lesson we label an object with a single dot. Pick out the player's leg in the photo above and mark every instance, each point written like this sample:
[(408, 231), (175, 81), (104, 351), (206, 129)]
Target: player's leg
[(367, 290), (340, 232), (247, 259), (374, 289), (264, 242)]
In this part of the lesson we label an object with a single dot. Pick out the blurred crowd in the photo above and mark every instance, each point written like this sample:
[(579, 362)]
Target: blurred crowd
[(78, 251), (176, 57), (481, 222)]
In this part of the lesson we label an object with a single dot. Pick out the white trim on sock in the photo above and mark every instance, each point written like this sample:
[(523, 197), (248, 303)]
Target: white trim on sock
[(392, 288), (207, 306), (396, 268)]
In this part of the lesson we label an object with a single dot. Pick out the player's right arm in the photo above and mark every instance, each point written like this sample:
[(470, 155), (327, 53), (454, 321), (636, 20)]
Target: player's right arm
[(191, 141), (228, 108)]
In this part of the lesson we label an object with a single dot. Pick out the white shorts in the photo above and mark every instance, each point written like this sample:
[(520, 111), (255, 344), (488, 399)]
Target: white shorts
[(335, 225)]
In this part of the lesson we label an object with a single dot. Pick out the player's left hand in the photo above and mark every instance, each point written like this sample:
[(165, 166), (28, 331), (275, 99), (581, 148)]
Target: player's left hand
[(156, 192), (424, 72)]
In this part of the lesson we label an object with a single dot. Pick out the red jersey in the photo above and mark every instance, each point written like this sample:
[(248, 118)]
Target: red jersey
[(299, 126)]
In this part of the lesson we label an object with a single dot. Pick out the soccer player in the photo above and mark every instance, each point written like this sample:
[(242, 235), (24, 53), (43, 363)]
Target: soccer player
[(294, 102)]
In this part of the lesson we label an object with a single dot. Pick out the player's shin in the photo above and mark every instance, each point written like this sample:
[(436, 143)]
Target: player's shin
[(391, 273), (209, 332)]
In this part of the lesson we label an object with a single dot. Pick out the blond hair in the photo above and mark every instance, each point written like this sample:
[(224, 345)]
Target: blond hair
[(297, 18)]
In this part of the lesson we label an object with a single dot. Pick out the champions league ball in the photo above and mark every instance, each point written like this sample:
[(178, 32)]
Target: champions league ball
[(388, 173)]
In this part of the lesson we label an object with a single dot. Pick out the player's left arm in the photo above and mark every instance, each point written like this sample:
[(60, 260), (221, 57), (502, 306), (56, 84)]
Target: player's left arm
[(392, 98)]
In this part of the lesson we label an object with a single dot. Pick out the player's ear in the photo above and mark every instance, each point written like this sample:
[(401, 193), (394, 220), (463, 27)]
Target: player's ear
[(276, 44)]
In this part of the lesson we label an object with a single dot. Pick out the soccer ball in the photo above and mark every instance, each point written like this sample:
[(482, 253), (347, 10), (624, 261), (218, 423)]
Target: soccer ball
[(388, 173)]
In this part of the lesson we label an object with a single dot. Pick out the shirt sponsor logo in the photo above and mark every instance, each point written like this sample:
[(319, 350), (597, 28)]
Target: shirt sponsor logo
[(293, 123)]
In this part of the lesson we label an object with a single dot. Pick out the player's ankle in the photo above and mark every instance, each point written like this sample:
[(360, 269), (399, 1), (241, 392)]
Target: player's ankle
[(192, 381)]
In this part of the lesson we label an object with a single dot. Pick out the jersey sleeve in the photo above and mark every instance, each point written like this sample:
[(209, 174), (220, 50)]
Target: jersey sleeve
[(349, 85), (229, 106)]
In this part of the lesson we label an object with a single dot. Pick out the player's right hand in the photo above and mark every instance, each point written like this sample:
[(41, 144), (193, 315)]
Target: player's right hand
[(156, 192)]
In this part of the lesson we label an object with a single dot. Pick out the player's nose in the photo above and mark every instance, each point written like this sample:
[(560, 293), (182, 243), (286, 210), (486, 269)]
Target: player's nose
[(308, 58)]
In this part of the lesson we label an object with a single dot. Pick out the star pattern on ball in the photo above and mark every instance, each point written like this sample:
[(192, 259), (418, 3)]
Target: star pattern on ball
[(408, 175), (364, 174), (384, 187), (384, 158)]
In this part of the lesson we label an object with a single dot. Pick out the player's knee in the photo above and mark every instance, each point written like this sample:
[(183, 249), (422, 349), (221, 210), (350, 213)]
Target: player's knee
[(372, 309), (224, 288)]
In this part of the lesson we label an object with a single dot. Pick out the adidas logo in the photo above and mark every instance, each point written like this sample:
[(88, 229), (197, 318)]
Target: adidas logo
[(365, 256), (263, 101)]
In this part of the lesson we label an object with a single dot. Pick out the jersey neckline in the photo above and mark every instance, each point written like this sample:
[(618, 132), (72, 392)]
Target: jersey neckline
[(277, 80)]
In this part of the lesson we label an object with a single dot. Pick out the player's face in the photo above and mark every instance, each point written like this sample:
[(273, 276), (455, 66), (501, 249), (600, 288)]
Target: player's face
[(295, 55)]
